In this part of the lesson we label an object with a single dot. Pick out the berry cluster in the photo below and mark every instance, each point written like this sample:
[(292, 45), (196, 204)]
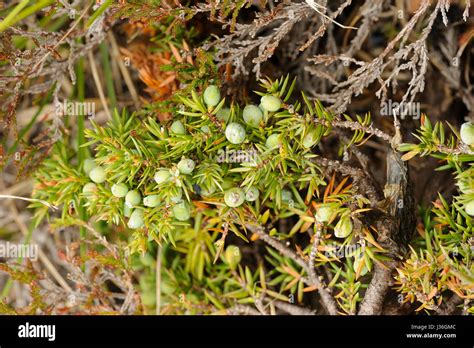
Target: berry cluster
[(181, 178), (133, 199), (156, 177)]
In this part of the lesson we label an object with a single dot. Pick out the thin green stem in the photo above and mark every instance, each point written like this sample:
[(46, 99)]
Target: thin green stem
[(15, 16), (99, 12), (109, 82), (81, 150), (10, 19)]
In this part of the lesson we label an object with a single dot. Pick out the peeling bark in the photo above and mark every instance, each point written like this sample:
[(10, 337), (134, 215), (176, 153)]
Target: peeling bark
[(395, 231)]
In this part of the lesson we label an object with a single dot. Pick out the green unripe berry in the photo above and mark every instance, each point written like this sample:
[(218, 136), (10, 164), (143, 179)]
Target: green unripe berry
[(232, 256), (467, 133), (212, 95), (466, 185), (324, 213), (133, 198), (147, 260), (234, 197), (167, 285), (252, 194), (186, 166), (127, 211), (286, 195), (119, 190), (177, 127), (147, 282), (136, 219), (167, 288), (271, 103), (89, 164), (273, 141), (97, 175), (149, 299), (252, 115), (205, 129), (469, 208), (181, 211), (151, 201), (310, 139), (235, 133), (343, 228), (223, 114), (161, 176), (89, 188)]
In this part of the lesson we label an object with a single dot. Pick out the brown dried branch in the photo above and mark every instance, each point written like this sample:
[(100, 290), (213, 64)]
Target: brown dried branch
[(327, 299)]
